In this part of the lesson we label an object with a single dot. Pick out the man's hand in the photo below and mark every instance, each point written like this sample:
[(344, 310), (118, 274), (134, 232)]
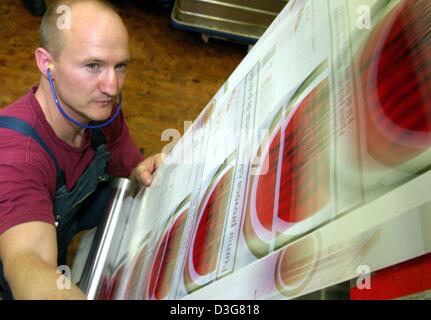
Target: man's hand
[(143, 172)]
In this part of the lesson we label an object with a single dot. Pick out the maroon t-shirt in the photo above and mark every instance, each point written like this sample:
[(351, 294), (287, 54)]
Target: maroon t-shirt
[(28, 175)]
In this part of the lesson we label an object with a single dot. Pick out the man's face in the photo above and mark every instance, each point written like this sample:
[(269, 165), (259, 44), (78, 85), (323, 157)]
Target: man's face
[(91, 68)]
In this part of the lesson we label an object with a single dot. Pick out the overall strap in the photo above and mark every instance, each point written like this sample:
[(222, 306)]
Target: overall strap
[(25, 129), (97, 138)]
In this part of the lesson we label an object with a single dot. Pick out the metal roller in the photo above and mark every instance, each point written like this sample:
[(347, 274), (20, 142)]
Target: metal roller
[(106, 242)]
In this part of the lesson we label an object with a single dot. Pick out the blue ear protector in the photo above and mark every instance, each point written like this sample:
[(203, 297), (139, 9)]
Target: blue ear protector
[(86, 126)]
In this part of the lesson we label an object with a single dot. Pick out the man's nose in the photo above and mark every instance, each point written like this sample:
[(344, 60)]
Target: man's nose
[(109, 83)]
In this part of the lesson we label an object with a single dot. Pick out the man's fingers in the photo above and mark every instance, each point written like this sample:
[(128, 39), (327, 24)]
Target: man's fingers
[(146, 178), (152, 163), (146, 168), (147, 165), (159, 160)]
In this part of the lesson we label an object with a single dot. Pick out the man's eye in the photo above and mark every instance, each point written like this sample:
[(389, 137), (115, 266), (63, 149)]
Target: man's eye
[(121, 67), (92, 66)]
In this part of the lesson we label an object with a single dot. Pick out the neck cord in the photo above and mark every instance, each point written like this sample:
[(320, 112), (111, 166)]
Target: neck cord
[(86, 126)]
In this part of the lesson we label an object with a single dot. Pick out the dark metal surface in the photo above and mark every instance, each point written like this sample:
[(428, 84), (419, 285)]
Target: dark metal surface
[(237, 18)]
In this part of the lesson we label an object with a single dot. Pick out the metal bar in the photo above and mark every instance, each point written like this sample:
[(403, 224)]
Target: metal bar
[(106, 237)]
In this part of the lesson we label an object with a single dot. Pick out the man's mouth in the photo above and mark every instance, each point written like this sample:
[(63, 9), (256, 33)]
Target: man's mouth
[(104, 102)]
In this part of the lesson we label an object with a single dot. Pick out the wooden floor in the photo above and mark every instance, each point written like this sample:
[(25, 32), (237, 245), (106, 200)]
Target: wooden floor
[(173, 76)]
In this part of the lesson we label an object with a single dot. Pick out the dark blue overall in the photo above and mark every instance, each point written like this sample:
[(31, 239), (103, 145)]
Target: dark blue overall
[(79, 209)]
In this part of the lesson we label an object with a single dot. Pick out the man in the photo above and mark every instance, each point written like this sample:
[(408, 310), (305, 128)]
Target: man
[(53, 163)]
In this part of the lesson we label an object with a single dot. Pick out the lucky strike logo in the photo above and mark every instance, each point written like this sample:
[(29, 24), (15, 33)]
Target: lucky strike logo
[(109, 285), (297, 264), (396, 84), (284, 201), (202, 258), (165, 260), (133, 280), (105, 289)]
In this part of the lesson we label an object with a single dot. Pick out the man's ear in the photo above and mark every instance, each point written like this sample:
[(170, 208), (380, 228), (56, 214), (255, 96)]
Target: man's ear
[(44, 61)]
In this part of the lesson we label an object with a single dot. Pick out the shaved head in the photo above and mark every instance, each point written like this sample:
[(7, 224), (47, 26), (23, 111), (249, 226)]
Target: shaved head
[(85, 46), (66, 16)]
